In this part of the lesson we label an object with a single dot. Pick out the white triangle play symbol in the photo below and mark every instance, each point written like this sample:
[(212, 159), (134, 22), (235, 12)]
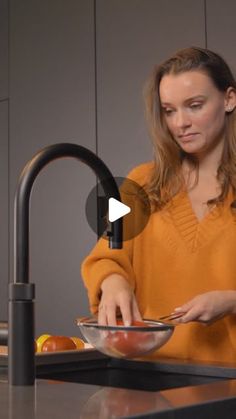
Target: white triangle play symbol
[(116, 209)]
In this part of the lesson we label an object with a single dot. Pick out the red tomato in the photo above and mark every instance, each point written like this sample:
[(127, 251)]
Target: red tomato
[(129, 343), (58, 343)]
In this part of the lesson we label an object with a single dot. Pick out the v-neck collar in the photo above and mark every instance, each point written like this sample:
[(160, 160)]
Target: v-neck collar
[(208, 214), (197, 232)]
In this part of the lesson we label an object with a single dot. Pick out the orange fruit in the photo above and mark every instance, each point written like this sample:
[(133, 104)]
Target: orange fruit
[(58, 343), (40, 340), (78, 342)]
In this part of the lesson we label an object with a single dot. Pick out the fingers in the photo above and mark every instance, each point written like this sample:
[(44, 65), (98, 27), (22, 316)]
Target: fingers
[(117, 296), (129, 311), (196, 310), (189, 316), (102, 317), (190, 312), (107, 314), (111, 314), (128, 307), (185, 307), (193, 311), (135, 310), (206, 308)]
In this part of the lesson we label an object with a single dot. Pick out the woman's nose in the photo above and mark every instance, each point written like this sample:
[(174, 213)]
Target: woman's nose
[(182, 120)]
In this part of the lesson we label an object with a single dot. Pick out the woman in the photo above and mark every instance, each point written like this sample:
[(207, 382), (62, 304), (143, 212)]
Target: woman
[(185, 258)]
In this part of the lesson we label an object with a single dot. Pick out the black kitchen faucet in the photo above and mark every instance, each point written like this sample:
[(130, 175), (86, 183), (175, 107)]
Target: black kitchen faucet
[(21, 358)]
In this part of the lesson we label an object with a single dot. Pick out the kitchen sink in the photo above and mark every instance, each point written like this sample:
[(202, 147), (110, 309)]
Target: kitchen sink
[(132, 375)]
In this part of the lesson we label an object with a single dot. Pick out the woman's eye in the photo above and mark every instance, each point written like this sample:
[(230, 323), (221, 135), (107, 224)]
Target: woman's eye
[(196, 106), (167, 111)]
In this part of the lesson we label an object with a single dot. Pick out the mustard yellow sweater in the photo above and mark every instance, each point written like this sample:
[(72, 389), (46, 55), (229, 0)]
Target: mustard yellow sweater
[(175, 258)]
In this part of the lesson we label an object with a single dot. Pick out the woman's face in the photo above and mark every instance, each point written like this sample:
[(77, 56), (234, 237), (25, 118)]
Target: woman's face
[(194, 111)]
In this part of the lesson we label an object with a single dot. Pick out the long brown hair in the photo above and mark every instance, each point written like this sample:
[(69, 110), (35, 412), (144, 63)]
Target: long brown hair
[(166, 178)]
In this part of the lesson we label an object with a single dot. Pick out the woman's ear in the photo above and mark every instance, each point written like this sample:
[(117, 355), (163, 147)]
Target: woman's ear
[(230, 99)]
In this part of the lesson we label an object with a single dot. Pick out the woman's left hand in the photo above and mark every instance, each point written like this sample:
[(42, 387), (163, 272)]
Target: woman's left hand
[(208, 307)]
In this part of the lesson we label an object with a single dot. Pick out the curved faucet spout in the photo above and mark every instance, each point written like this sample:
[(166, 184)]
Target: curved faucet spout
[(21, 291), (27, 178)]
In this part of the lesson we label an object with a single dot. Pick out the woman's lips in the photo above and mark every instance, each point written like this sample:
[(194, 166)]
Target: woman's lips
[(187, 137)]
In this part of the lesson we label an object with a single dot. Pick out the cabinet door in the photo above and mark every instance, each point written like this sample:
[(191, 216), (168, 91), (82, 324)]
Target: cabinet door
[(52, 101), (3, 49), (133, 36), (3, 208), (220, 20)]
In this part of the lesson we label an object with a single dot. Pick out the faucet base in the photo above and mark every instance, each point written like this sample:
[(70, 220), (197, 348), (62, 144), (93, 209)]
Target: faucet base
[(21, 359)]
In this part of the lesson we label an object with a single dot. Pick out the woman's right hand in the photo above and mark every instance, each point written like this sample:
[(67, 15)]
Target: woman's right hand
[(117, 294)]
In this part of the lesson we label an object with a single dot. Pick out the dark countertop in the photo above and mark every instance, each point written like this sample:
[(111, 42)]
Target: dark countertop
[(69, 400)]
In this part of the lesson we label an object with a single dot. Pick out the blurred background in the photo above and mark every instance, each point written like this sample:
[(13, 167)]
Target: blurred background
[(73, 71)]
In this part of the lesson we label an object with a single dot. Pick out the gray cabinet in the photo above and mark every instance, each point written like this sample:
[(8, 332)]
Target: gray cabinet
[(221, 29), (3, 49), (52, 100), (132, 37), (3, 208)]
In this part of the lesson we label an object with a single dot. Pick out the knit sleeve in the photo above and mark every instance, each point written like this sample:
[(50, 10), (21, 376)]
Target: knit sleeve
[(103, 261)]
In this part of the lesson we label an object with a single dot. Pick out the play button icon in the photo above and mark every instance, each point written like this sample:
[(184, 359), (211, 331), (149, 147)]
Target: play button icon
[(133, 206), (116, 209)]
